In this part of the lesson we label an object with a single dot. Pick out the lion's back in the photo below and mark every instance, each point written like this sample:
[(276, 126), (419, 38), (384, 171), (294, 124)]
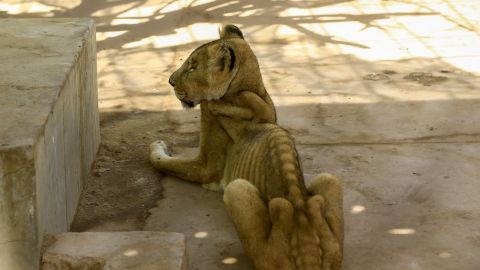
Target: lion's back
[(256, 159)]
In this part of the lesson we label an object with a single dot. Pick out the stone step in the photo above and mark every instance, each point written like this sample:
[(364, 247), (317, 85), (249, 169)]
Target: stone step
[(49, 130), (140, 250)]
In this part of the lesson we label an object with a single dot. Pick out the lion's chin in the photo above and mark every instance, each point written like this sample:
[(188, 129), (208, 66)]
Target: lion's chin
[(187, 104)]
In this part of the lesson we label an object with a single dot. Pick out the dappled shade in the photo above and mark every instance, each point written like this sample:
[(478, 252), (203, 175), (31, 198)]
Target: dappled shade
[(382, 93)]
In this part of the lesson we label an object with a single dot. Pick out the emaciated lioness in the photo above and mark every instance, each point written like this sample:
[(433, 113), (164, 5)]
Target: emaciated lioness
[(281, 223)]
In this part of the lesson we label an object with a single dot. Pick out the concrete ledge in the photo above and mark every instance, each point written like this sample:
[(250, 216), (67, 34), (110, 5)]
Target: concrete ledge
[(49, 130), (116, 250)]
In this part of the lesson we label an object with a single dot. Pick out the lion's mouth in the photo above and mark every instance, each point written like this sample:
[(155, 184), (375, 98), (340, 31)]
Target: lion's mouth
[(187, 103)]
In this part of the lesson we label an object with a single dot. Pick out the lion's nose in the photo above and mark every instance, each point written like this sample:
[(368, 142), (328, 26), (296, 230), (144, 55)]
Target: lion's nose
[(171, 82)]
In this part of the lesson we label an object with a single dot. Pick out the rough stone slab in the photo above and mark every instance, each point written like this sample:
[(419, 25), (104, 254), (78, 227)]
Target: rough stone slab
[(117, 251), (408, 206), (387, 122), (49, 130)]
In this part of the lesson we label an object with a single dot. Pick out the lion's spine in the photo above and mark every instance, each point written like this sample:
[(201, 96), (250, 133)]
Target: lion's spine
[(285, 159)]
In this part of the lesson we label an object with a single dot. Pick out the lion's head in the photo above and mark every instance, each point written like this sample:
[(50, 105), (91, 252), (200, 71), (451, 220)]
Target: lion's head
[(216, 69)]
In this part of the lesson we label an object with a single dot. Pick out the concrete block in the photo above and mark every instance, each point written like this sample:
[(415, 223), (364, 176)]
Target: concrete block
[(116, 250), (49, 130)]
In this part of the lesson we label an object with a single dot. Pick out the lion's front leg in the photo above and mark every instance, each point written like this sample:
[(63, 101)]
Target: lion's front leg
[(188, 169), (208, 166)]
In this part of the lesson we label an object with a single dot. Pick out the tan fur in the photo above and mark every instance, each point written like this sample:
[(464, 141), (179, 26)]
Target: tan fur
[(281, 223)]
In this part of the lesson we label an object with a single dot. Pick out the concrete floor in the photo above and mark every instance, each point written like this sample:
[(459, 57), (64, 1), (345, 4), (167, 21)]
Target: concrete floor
[(383, 94)]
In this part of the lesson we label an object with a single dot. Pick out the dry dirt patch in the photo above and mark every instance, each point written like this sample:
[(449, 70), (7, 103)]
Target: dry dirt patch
[(123, 185)]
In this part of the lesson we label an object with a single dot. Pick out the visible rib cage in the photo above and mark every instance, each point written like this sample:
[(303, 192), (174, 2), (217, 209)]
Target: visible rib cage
[(269, 161), (249, 162)]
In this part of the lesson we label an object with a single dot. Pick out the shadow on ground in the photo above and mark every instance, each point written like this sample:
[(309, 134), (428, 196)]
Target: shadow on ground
[(392, 158)]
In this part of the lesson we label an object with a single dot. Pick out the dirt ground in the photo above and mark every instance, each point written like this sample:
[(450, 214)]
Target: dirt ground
[(383, 94), (123, 185)]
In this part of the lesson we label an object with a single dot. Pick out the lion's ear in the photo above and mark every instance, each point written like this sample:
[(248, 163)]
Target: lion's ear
[(224, 58), (230, 31), (223, 67)]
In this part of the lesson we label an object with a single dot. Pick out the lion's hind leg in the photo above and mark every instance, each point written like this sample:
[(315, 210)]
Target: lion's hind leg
[(326, 208), (249, 213), (330, 188), (263, 228)]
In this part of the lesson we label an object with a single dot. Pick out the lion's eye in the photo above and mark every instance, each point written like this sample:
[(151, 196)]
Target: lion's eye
[(191, 69)]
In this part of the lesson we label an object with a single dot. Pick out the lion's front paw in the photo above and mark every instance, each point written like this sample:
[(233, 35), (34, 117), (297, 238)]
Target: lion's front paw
[(158, 150), (214, 186)]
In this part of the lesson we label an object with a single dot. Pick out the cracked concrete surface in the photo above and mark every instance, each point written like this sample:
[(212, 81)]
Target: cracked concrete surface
[(116, 250), (405, 147)]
